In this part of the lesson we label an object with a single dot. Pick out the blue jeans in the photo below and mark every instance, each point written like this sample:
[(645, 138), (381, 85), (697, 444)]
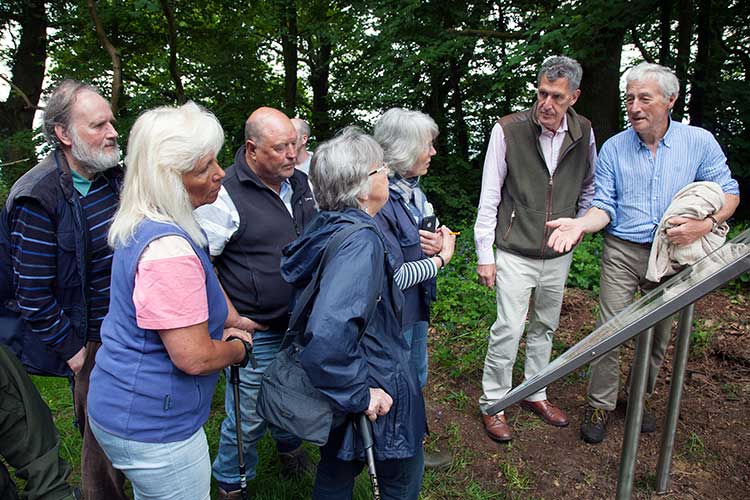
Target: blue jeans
[(225, 469), (398, 479), (160, 471), (416, 338)]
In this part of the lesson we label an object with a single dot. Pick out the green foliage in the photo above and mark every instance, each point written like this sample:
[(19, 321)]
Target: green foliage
[(701, 335), (584, 270), (741, 284), (694, 446), (515, 479)]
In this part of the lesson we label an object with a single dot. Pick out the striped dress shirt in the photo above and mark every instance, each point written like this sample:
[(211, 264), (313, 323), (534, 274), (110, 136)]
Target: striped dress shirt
[(635, 187)]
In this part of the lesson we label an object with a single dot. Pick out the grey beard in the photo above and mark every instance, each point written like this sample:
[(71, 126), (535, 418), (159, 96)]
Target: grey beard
[(93, 161)]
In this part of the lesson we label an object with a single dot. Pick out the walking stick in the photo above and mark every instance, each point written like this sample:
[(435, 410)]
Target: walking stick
[(234, 379), (365, 431)]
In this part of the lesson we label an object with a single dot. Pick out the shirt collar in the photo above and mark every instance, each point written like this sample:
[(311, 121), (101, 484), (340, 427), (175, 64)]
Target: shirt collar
[(666, 140), (560, 130)]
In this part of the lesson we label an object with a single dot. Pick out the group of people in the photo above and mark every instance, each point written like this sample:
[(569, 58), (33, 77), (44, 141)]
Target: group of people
[(147, 281)]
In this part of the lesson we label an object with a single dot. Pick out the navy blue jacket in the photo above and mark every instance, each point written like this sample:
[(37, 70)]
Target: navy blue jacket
[(50, 183), (355, 282), (402, 240)]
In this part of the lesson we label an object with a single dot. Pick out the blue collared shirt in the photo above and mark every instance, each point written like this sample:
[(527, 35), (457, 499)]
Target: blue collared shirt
[(635, 187)]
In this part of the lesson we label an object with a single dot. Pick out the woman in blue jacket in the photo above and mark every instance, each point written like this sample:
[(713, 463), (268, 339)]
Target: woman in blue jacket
[(406, 138), (357, 292)]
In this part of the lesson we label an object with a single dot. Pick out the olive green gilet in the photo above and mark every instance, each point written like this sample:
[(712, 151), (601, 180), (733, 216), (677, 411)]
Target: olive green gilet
[(530, 197)]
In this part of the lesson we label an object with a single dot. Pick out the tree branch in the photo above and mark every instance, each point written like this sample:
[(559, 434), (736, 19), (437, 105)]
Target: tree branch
[(14, 162), (644, 52), (113, 54), (173, 70), (503, 35), (741, 55), (21, 93)]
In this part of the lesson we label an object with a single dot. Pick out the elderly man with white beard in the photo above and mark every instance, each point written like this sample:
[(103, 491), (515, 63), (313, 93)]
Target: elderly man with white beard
[(58, 215)]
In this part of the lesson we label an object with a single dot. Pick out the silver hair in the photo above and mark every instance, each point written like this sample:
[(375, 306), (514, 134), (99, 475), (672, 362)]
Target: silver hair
[(340, 167), (164, 144), (663, 76), (561, 67), (59, 107), (303, 128), (404, 135)]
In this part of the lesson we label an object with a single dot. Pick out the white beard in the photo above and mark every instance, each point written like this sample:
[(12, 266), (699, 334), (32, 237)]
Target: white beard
[(93, 161)]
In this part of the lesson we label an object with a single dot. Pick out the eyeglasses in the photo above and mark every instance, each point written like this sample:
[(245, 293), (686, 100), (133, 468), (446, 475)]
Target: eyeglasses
[(378, 170)]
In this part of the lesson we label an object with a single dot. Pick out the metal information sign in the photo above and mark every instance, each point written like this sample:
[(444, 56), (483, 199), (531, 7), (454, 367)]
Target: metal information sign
[(727, 262)]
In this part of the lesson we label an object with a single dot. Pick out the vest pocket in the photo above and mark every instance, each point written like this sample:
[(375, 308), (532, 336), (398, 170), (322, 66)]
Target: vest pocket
[(510, 223), (67, 268)]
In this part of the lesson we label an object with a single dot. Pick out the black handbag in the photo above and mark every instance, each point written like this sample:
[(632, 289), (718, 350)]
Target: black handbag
[(287, 397)]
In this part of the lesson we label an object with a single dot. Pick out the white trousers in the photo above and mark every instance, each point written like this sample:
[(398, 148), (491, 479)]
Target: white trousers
[(518, 280)]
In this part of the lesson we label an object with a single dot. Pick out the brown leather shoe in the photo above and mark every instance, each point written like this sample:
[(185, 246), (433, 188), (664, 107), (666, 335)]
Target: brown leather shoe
[(549, 412), (497, 427)]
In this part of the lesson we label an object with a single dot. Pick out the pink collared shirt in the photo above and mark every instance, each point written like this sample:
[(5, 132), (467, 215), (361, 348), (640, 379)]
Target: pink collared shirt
[(493, 177)]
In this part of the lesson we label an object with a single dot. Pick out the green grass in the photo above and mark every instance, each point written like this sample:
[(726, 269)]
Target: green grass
[(268, 484)]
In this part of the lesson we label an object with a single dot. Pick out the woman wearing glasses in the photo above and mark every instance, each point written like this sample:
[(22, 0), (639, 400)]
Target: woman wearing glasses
[(357, 295), (408, 223)]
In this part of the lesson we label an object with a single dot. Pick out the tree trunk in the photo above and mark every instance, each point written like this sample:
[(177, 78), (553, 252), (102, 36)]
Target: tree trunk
[(290, 54), (113, 54), (665, 30), (17, 153), (460, 129), (435, 103), (28, 65), (173, 69), (600, 86), (684, 39), (709, 60), (319, 75)]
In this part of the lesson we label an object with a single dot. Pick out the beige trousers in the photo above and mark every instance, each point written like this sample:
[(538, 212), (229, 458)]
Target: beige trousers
[(517, 279), (623, 272)]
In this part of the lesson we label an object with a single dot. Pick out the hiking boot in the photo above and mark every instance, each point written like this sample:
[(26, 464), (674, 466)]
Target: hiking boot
[(594, 425), (648, 421), (295, 463)]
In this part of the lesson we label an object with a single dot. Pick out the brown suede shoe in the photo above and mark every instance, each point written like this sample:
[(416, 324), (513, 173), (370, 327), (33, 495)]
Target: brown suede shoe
[(549, 412), (497, 427)]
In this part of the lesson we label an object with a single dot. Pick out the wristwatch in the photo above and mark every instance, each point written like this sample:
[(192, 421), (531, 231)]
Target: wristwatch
[(442, 260), (715, 223), (249, 358)]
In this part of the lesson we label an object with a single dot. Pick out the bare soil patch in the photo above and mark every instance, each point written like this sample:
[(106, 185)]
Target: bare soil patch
[(712, 448)]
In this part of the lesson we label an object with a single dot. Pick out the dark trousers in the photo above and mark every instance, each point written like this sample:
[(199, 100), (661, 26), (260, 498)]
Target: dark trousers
[(28, 437), (99, 480), (398, 479)]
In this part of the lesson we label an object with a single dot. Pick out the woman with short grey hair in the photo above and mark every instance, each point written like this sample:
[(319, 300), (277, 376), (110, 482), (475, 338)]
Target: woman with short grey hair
[(409, 224), (351, 347)]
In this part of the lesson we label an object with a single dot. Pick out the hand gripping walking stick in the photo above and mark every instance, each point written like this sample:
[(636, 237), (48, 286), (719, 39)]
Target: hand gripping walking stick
[(234, 379)]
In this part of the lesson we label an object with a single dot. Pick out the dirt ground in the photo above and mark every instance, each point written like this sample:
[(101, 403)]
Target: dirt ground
[(712, 448)]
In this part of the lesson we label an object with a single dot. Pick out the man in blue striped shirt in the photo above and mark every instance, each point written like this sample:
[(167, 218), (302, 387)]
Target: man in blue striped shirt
[(58, 214), (638, 172)]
